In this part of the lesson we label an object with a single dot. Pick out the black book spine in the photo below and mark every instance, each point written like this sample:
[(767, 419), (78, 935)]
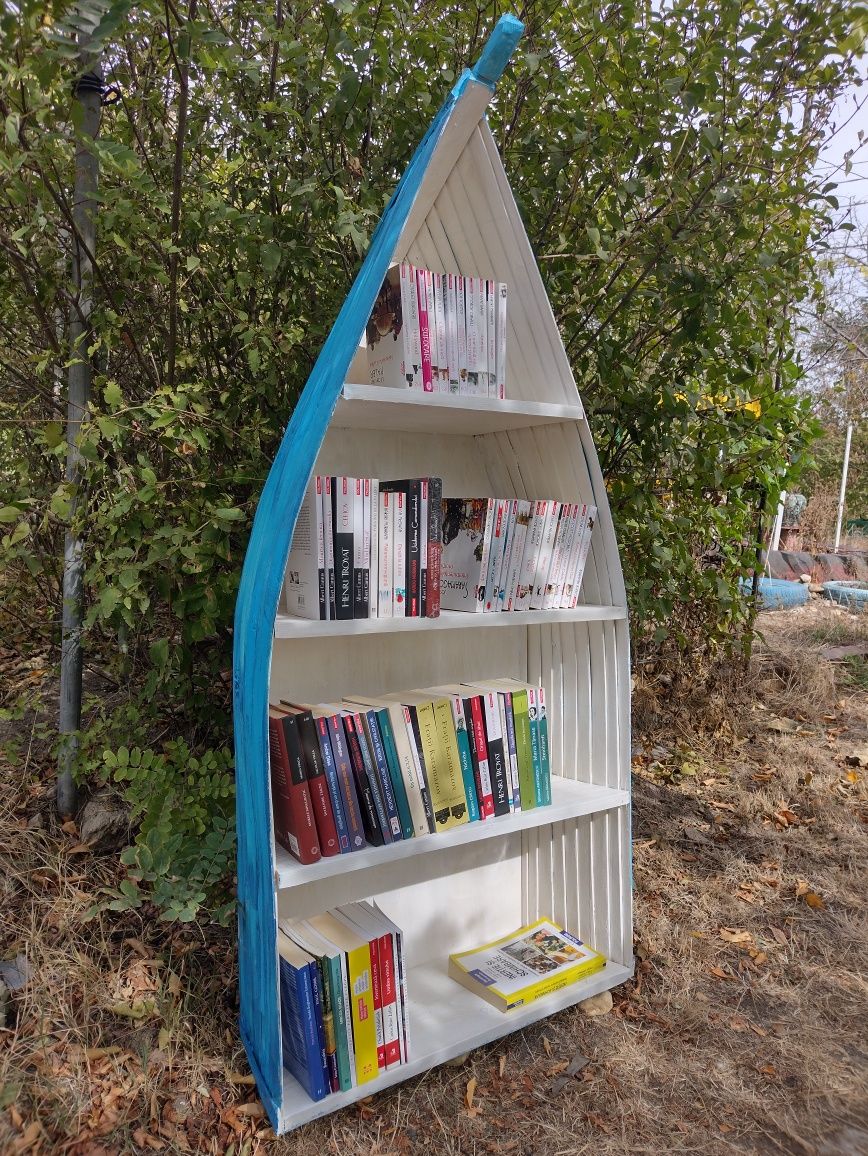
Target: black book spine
[(423, 785), (434, 545), (370, 822), (500, 778), (342, 525), (414, 535), (373, 781)]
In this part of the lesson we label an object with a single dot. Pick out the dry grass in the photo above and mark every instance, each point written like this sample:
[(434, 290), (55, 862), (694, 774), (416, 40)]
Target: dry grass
[(744, 1030)]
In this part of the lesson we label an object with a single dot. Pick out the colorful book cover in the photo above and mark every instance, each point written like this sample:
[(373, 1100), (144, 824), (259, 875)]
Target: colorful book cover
[(467, 531), (387, 335), (325, 1025), (386, 996), (527, 964), (521, 722), (400, 975)]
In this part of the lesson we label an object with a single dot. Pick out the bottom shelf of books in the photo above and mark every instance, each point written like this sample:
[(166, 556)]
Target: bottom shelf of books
[(404, 1021)]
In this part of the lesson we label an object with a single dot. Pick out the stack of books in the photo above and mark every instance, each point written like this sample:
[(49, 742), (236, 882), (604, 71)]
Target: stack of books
[(376, 770), (439, 333), (365, 548), (506, 554), (343, 998)]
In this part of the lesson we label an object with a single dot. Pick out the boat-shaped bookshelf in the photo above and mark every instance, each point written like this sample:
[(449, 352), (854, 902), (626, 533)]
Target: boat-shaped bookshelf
[(571, 861)]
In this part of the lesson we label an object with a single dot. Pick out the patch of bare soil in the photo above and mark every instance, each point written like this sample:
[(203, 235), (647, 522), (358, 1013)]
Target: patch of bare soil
[(744, 1030)]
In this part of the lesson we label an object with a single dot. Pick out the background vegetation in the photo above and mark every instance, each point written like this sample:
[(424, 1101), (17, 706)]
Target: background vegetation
[(662, 158)]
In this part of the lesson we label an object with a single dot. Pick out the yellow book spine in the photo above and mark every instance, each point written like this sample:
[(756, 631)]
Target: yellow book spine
[(434, 765), (362, 1013), (447, 750)]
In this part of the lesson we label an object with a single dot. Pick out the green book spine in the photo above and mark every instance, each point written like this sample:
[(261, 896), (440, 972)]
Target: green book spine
[(536, 757), (523, 751), (467, 774), (546, 775), (394, 765), (339, 1011)]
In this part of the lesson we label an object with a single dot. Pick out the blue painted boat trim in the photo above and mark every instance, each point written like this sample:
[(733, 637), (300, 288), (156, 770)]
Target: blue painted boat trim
[(259, 594)]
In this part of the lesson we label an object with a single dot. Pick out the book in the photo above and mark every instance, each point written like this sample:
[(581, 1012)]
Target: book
[(527, 964), (442, 768), (372, 543), (361, 596), (495, 551), (305, 583), (413, 323), (364, 793), (544, 558), (386, 591), (500, 340), (364, 917), (533, 543), (371, 725), (303, 1050), (521, 721), (563, 546), (357, 953), (584, 547), (294, 826), (329, 537), (399, 555), (346, 780), (572, 560), (461, 332), (331, 776), (342, 523), (407, 491), (535, 751), (462, 742), (451, 302), (497, 766), (371, 774), (388, 335), (516, 555), (408, 764), (491, 336), (432, 329), (509, 526), (320, 795), (467, 529), (474, 713), (546, 770), (439, 280), (424, 332), (423, 545), (434, 545)]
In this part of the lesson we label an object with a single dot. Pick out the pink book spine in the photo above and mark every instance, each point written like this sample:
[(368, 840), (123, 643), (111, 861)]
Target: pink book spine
[(424, 331)]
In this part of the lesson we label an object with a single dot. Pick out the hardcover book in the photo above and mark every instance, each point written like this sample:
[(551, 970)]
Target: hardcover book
[(530, 963)]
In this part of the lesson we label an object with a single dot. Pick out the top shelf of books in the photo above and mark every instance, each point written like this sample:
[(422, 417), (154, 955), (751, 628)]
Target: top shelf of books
[(382, 408)]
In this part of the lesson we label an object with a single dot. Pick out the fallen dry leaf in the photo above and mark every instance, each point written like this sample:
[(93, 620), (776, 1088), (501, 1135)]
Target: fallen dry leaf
[(469, 1092), (254, 1110), (501, 1066), (719, 973), (241, 1078), (546, 1045), (735, 935), (813, 900), (780, 936)]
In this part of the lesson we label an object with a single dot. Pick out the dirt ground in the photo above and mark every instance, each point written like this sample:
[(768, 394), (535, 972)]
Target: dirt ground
[(745, 1030)]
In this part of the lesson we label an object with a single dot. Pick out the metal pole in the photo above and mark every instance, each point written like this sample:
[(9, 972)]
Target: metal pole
[(88, 94), (843, 493)]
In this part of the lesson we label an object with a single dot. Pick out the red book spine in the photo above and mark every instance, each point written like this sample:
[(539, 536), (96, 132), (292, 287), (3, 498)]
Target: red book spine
[(318, 784), (483, 785), (377, 995), (424, 331), (391, 1017), (294, 826)]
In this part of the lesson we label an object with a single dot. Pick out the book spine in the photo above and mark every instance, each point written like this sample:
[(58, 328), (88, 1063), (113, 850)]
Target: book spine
[(471, 334), (561, 533), (399, 556), (423, 545), (480, 315), (413, 327), (382, 771), (432, 328), (319, 1017), (424, 331), (360, 602), (408, 763), (394, 768), (342, 518), (486, 552), (408, 291), (517, 554), (377, 1000), (322, 997), (506, 558), (305, 578), (412, 498), (479, 753), (461, 332), (370, 821), (511, 747), (343, 966), (349, 798), (439, 280), (322, 575), (491, 331), (390, 1001), (435, 546), (329, 542), (331, 777), (372, 498), (319, 791), (544, 561), (569, 577), (300, 1035), (536, 757), (412, 718), (294, 822), (451, 300), (495, 553), (583, 554), (451, 780), (362, 1013), (366, 748), (339, 1013), (500, 362), (522, 749), (533, 543), (465, 760), (386, 526), (546, 775), (496, 757)]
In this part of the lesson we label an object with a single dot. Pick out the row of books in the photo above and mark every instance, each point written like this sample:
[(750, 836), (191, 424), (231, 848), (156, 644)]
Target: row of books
[(343, 998), (365, 548), (438, 332), (373, 771), (507, 554)]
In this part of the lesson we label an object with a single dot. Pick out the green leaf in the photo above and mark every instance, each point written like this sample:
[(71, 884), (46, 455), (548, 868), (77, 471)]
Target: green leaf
[(112, 394)]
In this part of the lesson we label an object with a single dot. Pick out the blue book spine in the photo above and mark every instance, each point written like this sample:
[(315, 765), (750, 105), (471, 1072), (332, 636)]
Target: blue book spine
[(546, 774), (391, 752), (366, 744), (331, 775), (301, 1049), (383, 775), (349, 798), (467, 772)]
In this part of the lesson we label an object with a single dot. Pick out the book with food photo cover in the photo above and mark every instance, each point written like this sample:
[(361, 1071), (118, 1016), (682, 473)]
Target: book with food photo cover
[(525, 965)]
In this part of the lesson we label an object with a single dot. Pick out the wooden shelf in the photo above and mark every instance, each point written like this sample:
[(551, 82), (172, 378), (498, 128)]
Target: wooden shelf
[(286, 626), (379, 408), (445, 1021), (570, 799)]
